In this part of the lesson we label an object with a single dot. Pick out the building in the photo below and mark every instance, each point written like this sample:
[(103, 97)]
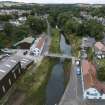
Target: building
[(92, 88), (37, 47), (25, 43), (88, 42), (99, 49), (10, 70)]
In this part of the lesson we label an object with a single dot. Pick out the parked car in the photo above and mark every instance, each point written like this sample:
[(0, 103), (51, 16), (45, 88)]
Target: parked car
[(77, 62), (78, 71), (93, 94)]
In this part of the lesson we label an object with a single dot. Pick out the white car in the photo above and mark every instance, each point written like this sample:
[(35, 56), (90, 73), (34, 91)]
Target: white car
[(92, 93), (77, 62)]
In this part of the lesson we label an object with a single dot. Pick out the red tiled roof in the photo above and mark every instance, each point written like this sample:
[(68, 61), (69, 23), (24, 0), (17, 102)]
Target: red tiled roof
[(40, 42), (88, 74), (100, 46)]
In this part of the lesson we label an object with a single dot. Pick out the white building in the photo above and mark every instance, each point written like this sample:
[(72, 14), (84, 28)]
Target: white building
[(37, 47)]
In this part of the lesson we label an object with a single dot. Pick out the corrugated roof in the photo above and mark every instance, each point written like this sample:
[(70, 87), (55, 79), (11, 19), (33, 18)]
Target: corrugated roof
[(26, 40), (7, 63)]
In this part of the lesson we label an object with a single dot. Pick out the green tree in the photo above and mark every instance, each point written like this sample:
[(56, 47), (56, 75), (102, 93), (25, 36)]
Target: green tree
[(36, 24)]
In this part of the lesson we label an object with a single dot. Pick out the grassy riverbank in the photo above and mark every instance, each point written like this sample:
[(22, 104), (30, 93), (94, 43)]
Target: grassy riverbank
[(55, 42), (67, 69), (75, 42), (31, 87)]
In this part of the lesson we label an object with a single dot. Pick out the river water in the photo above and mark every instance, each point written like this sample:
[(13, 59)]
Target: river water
[(56, 85)]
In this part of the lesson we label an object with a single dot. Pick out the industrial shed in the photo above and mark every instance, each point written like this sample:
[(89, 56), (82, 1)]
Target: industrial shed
[(25, 43), (10, 70)]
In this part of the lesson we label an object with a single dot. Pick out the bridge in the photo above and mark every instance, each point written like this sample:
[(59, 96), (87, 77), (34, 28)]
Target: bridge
[(59, 55)]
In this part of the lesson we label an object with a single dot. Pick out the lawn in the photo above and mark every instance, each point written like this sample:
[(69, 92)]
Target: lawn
[(55, 41)]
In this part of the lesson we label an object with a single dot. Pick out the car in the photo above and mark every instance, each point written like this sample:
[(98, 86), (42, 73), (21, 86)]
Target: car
[(78, 71), (77, 62), (99, 56), (93, 94)]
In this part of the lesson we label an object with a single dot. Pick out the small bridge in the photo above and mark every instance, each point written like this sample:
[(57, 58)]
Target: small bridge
[(58, 55)]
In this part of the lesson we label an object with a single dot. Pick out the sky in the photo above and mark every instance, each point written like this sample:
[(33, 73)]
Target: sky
[(61, 1)]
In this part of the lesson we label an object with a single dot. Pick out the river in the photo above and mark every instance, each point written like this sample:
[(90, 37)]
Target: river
[(56, 85)]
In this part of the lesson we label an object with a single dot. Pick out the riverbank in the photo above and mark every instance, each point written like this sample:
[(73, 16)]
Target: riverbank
[(55, 41), (30, 88), (67, 69), (75, 42)]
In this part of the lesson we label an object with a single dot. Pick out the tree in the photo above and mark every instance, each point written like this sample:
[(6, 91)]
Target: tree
[(8, 29), (36, 24)]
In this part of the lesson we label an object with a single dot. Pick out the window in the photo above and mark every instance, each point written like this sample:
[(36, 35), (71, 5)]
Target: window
[(9, 81), (14, 75), (3, 88), (19, 71)]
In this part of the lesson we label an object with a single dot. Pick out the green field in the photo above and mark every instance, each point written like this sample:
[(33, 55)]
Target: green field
[(55, 42)]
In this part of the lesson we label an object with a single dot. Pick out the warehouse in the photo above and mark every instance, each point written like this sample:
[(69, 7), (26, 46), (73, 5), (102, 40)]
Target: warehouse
[(10, 69), (25, 43)]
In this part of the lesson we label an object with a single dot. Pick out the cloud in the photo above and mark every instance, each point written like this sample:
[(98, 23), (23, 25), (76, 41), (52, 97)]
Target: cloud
[(61, 1)]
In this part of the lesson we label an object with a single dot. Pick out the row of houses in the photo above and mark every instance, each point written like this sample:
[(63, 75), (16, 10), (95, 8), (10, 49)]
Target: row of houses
[(89, 17), (13, 11), (10, 69), (98, 47), (37, 48)]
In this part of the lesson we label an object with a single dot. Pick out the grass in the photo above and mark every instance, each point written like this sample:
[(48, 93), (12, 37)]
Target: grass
[(33, 85), (101, 69), (75, 42), (55, 42), (90, 54), (67, 69)]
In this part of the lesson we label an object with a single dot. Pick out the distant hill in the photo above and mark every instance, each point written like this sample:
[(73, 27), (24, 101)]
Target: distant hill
[(11, 3)]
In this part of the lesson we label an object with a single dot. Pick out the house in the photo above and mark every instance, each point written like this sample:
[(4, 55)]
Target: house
[(10, 70), (92, 88), (25, 43), (15, 22), (99, 49), (88, 42), (37, 47), (22, 19)]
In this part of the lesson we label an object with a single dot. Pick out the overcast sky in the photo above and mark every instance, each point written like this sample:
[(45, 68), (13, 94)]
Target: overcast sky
[(60, 1)]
